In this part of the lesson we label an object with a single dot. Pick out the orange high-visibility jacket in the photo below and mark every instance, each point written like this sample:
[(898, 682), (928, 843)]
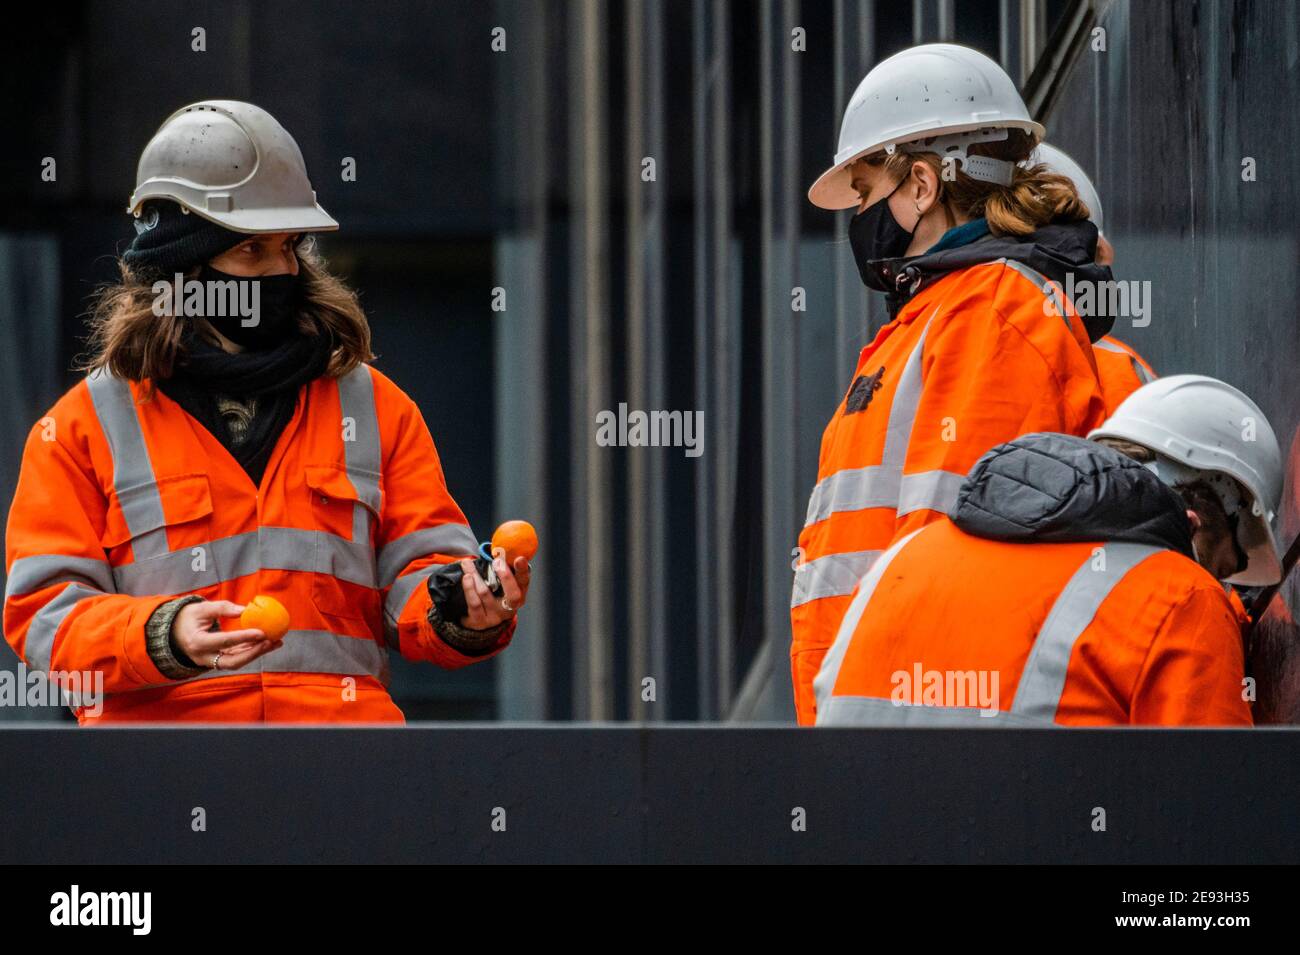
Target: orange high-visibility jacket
[(978, 357), (954, 629), (124, 503), (1120, 369)]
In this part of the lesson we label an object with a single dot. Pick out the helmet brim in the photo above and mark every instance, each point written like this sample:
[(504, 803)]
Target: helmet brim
[(257, 221), (263, 221), (834, 190)]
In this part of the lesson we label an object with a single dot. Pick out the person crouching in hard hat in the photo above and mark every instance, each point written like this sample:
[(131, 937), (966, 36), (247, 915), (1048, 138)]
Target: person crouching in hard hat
[(231, 440), (1120, 369), (1077, 582), (971, 248)]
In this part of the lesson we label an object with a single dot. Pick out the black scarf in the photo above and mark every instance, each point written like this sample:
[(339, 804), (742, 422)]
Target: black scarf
[(273, 376)]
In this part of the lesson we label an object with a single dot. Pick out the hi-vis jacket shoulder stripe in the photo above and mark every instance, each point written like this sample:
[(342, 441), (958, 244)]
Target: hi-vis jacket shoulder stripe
[(1121, 370), (1140, 369)]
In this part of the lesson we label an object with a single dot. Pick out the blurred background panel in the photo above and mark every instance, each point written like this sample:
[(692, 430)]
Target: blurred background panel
[(625, 182)]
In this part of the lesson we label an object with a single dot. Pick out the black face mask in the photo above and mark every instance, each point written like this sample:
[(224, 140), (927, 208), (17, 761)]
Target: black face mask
[(875, 234), (276, 313)]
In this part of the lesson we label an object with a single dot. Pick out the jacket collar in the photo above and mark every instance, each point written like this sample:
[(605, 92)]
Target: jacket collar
[(1053, 251)]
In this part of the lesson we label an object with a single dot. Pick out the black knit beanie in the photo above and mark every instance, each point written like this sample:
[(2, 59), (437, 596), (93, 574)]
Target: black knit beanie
[(169, 239)]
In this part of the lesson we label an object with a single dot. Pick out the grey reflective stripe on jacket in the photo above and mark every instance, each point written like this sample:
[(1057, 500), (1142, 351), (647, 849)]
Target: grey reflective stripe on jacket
[(30, 574), (1139, 369), (1042, 683), (85, 577), (824, 681), (831, 576), (453, 539), (1051, 290), (364, 464), (361, 451), (133, 475), (878, 485), (45, 624), (229, 558), (313, 651)]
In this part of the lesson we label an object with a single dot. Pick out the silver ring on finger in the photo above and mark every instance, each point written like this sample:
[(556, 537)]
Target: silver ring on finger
[(505, 605), (216, 661)]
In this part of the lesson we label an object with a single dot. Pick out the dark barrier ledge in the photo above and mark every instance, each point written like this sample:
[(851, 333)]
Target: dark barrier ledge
[(663, 794)]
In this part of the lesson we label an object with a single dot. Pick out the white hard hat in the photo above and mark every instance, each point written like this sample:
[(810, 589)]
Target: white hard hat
[(1203, 427), (232, 163), (1058, 161), (938, 98)]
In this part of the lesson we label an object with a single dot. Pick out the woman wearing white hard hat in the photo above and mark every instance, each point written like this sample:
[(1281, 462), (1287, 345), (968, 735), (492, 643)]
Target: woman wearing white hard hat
[(234, 517), (1120, 369), (970, 248)]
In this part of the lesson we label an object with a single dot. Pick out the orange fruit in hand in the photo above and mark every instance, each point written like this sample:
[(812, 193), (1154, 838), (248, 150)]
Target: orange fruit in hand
[(266, 614), (517, 538)]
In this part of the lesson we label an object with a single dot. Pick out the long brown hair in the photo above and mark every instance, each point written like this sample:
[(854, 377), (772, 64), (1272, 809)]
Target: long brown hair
[(130, 341), (1035, 197)]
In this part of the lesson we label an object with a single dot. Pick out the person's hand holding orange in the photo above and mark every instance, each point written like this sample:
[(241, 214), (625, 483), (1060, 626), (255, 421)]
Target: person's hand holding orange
[(197, 631), (512, 546)]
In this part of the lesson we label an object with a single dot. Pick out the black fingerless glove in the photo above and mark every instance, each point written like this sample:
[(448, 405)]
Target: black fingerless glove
[(448, 596)]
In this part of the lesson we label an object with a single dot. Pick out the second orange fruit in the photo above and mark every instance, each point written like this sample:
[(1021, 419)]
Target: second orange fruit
[(266, 614)]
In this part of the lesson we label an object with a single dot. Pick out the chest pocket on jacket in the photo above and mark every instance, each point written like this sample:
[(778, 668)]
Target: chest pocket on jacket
[(145, 516), (344, 515)]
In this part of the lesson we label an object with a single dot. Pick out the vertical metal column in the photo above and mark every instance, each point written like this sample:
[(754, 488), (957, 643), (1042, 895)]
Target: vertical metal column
[(704, 73), (519, 341), (1009, 39), (717, 330), (1033, 35), (589, 360), (30, 376), (778, 150), (855, 54), (646, 281), (656, 501), (946, 22)]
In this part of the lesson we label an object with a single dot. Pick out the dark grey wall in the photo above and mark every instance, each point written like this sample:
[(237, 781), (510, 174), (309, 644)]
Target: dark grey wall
[(1163, 120), (641, 794)]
